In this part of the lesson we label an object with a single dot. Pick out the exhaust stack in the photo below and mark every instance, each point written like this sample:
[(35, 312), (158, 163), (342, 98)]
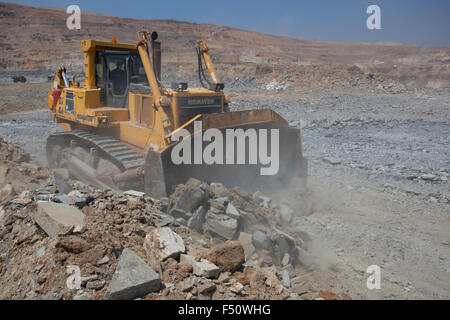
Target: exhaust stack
[(156, 55)]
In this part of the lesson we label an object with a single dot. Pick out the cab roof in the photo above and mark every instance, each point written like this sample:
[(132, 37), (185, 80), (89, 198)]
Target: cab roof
[(95, 45)]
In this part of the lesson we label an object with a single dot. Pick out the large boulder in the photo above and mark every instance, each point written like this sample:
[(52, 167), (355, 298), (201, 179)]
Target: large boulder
[(228, 256)]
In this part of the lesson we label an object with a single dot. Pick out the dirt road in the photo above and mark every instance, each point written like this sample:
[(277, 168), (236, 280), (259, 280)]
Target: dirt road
[(15, 97), (379, 170)]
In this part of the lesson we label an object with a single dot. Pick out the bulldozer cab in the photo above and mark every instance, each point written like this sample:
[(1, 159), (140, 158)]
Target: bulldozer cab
[(115, 73)]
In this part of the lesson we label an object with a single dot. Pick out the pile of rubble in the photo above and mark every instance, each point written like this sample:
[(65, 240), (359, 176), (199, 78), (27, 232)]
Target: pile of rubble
[(70, 241)]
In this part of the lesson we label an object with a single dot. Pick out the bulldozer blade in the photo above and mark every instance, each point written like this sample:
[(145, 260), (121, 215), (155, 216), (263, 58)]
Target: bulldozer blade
[(162, 174)]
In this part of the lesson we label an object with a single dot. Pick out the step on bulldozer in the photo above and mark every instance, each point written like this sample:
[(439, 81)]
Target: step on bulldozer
[(123, 129)]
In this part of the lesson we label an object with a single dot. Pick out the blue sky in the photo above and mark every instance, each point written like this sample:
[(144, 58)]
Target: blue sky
[(422, 22)]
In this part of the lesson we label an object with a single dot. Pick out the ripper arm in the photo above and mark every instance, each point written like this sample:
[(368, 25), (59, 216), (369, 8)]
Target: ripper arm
[(60, 80), (202, 50), (160, 101)]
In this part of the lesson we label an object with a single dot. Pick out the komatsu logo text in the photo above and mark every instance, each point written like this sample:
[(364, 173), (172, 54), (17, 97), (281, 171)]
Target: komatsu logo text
[(200, 101)]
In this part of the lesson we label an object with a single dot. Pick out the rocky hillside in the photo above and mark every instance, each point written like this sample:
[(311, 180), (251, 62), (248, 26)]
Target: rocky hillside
[(36, 38)]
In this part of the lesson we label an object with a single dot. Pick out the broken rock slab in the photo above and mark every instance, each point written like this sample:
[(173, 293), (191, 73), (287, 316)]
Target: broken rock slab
[(165, 220), (61, 184), (132, 279), (186, 285), (202, 268), (232, 212), (163, 243), (237, 288), (285, 213), (246, 240), (63, 198), (303, 257), (286, 280), (261, 240), (198, 218), (206, 288), (52, 217), (222, 225), (134, 193)]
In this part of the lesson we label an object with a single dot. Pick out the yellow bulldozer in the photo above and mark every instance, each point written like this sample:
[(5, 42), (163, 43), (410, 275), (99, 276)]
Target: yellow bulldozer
[(123, 129)]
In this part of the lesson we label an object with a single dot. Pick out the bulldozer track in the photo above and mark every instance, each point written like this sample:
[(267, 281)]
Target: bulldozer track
[(124, 157)]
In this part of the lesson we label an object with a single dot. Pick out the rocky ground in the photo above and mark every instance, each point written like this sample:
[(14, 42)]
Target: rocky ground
[(379, 192), (204, 242), (375, 128), (17, 97)]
